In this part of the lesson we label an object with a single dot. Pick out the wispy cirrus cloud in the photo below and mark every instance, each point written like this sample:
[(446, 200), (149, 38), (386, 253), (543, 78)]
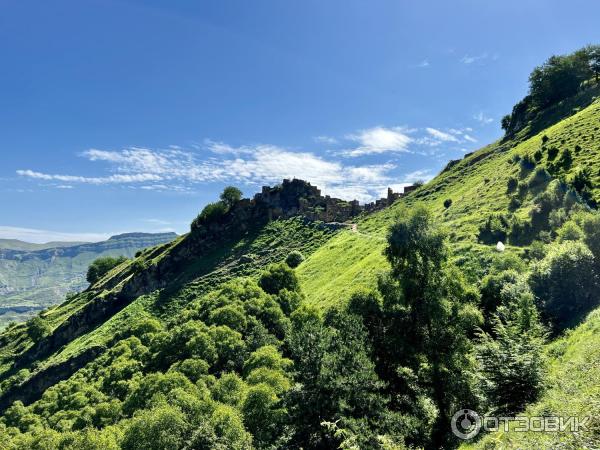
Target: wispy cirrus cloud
[(180, 170), (479, 59), (40, 236), (482, 118), (441, 135), (112, 179), (326, 140)]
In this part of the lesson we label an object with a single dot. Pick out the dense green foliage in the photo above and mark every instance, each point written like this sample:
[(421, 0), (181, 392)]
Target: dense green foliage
[(101, 266), (294, 259)]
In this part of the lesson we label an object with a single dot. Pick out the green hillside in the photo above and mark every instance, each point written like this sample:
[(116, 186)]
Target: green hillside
[(267, 327), (36, 276)]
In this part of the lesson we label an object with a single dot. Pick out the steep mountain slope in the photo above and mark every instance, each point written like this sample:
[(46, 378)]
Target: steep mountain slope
[(174, 285), (35, 276), (477, 186)]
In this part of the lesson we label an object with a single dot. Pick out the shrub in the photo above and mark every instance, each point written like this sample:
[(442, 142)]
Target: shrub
[(101, 266), (511, 361), (566, 159), (278, 277), (494, 229), (294, 259), (514, 203), (161, 428), (521, 232), (552, 153), (447, 203), (570, 231), (230, 196), (565, 283), (512, 184), (582, 180), (37, 329), (212, 212)]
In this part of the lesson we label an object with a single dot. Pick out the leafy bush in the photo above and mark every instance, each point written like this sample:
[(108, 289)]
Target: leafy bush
[(278, 277), (565, 283), (37, 329), (512, 184), (447, 203), (212, 212), (552, 153), (230, 196), (494, 229), (101, 267), (294, 259)]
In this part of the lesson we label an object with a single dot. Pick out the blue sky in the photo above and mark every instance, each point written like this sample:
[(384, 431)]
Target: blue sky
[(131, 115)]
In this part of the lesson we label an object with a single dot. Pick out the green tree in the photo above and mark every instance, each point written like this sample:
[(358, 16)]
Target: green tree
[(565, 283), (161, 428), (278, 277), (101, 266), (431, 314), (335, 375), (230, 196), (558, 78), (594, 58), (37, 329), (511, 356)]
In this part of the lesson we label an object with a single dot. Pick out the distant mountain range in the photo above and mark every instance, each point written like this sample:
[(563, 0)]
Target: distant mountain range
[(35, 276)]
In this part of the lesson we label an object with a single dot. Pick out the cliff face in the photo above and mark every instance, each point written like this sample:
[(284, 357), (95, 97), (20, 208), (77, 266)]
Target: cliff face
[(33, 278)]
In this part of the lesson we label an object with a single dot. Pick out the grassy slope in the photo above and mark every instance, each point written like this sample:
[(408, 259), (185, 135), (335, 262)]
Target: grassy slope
[(245, 257), (573, 390), (477, 187)]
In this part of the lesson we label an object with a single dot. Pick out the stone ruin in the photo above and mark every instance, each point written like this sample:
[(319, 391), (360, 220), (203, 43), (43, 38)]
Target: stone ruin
[(299, 197)]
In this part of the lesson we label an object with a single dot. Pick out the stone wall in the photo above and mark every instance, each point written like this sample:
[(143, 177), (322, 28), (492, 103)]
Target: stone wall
[(298, 197)]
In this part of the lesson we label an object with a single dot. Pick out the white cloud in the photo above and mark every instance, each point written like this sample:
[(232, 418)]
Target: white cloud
[(221, 148), (133, 178), (379, 140), (441, 135), (42, 236), (178, 170), (470, 59), (469, 138), (424, 64), (418, 175), (326, 140), (482, 118)]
